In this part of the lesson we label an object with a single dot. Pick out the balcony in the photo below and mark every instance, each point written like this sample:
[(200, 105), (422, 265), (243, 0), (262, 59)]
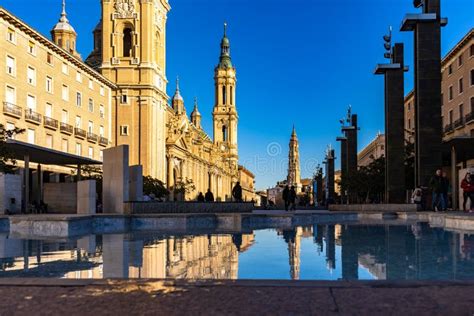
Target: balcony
[(50, 123), (103, 141), (32, 116), (79, 132), (66, 128), (459, 123), (469, 117), (91, 137), (448, 128), (11, 109)]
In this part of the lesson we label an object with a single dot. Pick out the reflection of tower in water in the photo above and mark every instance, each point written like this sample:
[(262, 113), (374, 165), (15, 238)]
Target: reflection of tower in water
[(330, 247), (318, 237), (293, 239)]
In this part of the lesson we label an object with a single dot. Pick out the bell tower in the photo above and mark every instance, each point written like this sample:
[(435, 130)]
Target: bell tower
[(131, 39), (225, 113)]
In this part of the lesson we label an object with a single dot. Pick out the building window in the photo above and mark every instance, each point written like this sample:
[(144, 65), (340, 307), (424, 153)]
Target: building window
[(49, 141), (450, 117), (31, 75), (450, 93), (461, 88), (460, 61), (31, 102), (472, 77), (78, 121), (49, 84), (10, 95), (31, 48), (48, 110), (65, 93), (101, 131), (91, 152), (78, 99), (31, 136), (409, 124), (472, 104), (65, 69), (91, 84), (124, 99), (78, 77), (49, 58), (78, 149), (65, 116), (461, 111), (101, 155), (90, 127), (224, 133), (471, 50), (231, 94), (91, 105), (11, 36), (127, 42), (224, 95), (450, 69), (65, 145), (101, 111), (11, 66), (102, 90), (409, 106), (123, 130)]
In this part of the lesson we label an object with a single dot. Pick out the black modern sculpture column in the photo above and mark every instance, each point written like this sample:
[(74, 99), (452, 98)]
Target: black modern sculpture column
[(351, 134), (343, 155), (394, 124), (428, 134), (329, 183)]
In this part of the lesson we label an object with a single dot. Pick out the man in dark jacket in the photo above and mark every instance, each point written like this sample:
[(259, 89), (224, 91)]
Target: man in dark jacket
[(209, 196), (292, 198), (436, 186), (237, 192), (285, 197)]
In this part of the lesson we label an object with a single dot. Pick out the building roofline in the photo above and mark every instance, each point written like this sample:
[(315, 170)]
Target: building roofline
[(12, 19), (460, 45), (246, 171)]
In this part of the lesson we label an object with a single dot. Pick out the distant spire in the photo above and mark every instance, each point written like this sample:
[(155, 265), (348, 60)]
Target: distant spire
[(177, 94), (225, 60), (225, 29), (63, 13), (293, 133), (195, 103), (177, 83)]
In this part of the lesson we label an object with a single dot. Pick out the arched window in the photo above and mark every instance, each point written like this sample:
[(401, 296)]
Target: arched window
[(127, 42), (224, 133), (224, 95), (231, 95)]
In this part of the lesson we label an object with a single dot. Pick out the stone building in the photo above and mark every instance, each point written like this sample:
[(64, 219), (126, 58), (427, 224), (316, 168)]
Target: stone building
[(247, 181), (294, 171), (118, 96), (374, 150), (60, 101)]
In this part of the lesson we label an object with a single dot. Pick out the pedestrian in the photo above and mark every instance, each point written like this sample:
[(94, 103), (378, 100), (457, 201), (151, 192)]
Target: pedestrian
[(209, 197), (292, 198), (237, 192), (285, 196), (200, 197), (445, 188), (416, 197), (467, 186), (436, 186)]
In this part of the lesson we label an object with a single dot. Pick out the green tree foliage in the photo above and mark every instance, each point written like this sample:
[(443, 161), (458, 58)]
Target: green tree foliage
[(7, 163), (154, 186)]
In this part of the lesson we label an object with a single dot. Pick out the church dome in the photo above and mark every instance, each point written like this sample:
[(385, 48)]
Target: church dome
[(63, 23)]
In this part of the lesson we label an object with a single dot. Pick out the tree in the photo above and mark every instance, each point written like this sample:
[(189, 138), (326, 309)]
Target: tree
[(7, 161), (154, 186), (184, 187)]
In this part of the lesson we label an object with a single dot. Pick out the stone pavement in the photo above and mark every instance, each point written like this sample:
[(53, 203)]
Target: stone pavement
[(155, 297)]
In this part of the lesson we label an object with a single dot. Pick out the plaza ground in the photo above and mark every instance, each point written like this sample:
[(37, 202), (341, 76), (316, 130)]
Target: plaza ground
[(161, 297)]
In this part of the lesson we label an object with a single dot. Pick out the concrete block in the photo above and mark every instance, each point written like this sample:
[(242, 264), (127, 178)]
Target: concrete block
[(115, 187), (10, 193), (61, 197), (86, 197), (136, 183)]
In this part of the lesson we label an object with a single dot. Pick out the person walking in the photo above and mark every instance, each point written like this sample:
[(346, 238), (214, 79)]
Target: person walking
[(200, 197), (292, 198), (436, 186), (445, 190), (286, 196), (467, 186), (209, 197), (237, 192)]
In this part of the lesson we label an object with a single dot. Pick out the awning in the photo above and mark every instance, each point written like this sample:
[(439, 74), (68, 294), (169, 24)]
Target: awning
[(45, 156), (464, 146)]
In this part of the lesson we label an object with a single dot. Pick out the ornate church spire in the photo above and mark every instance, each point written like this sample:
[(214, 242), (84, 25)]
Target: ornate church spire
[(177, 101), (225, 60), (195, 115), (294, 171), (63, 33)]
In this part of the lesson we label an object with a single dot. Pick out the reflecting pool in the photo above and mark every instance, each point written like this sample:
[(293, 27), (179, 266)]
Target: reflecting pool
[(317, 252)]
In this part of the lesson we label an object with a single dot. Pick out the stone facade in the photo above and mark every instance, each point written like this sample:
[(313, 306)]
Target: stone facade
[(247, 181), (374, 150)]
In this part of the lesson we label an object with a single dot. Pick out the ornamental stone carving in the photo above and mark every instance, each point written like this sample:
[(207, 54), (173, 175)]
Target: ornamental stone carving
[(124, 9)]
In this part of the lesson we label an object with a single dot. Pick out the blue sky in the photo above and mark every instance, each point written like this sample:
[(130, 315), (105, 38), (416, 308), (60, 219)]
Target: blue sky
[(298, 62)]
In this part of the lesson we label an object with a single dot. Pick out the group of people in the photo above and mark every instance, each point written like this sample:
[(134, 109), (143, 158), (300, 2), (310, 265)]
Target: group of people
[(209, 196), (289, 197), (439, 186)]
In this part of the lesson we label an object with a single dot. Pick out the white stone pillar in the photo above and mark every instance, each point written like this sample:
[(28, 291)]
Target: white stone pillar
[(115, 187), (86, 197)]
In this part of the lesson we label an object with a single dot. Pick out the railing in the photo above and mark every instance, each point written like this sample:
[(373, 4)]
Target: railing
[(459, 123), (103, 141), (11, 109), (91, 137), (50, 122), (32, 116), (66, 128), (79, 132), (449, 128), (469, 117)]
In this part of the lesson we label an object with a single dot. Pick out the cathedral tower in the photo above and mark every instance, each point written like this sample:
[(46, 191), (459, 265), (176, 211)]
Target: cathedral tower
[(294, 172), (195, 115), (63, 34), (225, 113), (129, 46)]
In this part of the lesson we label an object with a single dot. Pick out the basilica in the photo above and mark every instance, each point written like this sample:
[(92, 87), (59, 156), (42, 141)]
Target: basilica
[(123, 83)]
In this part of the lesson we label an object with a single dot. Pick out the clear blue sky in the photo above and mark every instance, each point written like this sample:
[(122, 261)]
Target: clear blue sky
[(298, 62)]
